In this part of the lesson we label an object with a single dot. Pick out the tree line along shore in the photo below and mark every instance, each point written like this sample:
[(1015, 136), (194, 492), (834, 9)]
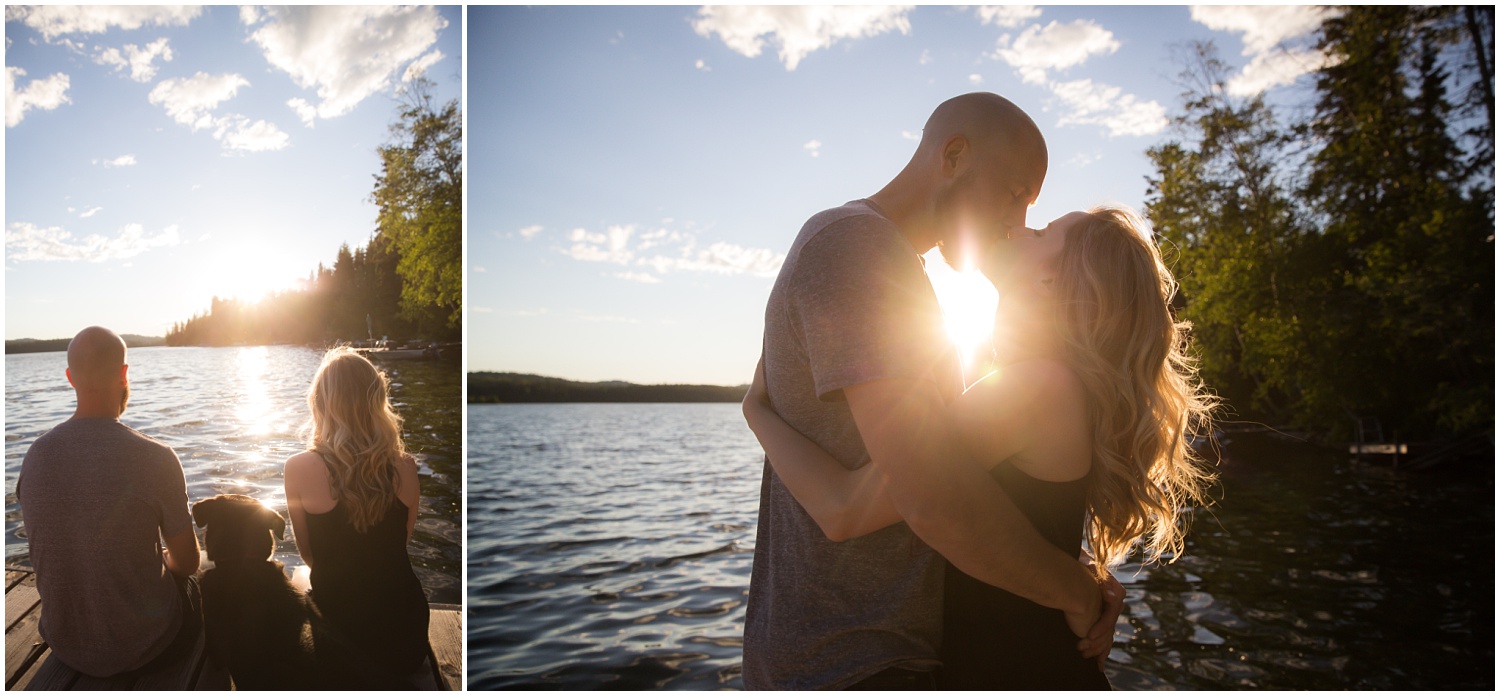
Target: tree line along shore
[(50, 345), (514, 388)]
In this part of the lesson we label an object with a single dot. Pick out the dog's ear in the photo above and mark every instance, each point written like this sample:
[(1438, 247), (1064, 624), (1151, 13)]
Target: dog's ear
[(274, 522), (205, 510)]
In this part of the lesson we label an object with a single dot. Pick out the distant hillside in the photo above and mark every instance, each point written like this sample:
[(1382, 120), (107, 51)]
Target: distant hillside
[(32, 345), (512, 388)]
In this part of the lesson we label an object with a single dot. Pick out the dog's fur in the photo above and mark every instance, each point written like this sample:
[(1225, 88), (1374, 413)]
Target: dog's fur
[(263, 630)]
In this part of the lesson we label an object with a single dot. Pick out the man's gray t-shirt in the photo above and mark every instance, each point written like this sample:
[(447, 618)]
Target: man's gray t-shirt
[(96, 498), (851, 305)]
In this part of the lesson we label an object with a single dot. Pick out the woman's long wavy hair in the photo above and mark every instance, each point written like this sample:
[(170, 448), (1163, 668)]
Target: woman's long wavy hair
[(358, 434), (1144, 396)]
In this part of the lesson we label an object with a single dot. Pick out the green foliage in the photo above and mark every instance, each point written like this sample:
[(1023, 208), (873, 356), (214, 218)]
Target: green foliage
[(1344, 266), (420, 195)]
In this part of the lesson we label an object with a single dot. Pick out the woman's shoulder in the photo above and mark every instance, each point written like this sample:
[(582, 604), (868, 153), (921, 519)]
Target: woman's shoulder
[(304, 460), (1060, 449)]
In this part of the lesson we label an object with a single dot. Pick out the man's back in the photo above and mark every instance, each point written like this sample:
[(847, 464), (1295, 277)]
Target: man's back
[(851, 305), (96, 498)]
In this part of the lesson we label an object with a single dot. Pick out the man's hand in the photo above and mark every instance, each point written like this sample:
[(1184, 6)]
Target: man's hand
[(1100, 637)]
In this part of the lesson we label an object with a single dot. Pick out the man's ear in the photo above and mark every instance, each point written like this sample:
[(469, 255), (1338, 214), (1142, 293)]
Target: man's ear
[(956, 156), (69, 373)]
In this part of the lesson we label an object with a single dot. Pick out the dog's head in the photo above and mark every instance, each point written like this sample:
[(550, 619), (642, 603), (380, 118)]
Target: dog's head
[(238, 528)]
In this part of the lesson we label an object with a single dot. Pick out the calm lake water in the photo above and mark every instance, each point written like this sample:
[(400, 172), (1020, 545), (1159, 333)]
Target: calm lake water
[(610, 547), (233, 416)]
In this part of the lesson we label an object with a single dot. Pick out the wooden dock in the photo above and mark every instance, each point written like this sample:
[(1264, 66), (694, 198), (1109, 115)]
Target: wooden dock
[(30, 665)]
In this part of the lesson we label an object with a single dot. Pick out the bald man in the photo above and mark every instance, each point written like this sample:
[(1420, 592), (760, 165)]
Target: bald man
[(97, 499), (856, 358)]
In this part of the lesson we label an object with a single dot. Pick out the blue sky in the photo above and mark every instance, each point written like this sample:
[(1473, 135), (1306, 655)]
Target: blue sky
[(636, 174), (156, 157)]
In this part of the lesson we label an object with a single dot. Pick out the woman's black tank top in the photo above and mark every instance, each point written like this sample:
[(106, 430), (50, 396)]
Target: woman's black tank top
[(993, 639), (364, 584)]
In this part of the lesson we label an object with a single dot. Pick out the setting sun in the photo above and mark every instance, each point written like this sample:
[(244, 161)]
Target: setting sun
[(968, 301)]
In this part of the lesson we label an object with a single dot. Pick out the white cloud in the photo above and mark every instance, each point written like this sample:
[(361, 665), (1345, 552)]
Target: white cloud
[(925, 58), (702, 66), (678, 251), (139, 60), (45, 94), (909, 135), (632, 276), (1090, 103), (419, 66), (976, 79), (346, 53), (1007, 16), (91, 212), (55, 20), (121, 161), (1263, 28), (1039, 49), (305, 111), (529, 232), (27, 242), (1268, 32), (480, 269), (481, 310), (189, 100), (812, 147), (238, 134), (722, 258), (796, 30)]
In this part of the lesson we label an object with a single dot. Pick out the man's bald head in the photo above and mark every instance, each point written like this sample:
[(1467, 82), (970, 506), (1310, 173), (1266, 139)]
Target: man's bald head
[(993, 125), (95, 357)]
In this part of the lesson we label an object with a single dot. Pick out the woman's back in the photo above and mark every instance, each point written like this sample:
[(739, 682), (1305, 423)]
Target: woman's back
[(993, 639), (364, 584)]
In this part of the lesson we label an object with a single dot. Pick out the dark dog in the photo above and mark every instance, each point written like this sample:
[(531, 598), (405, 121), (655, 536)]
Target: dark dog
[(263, 630)]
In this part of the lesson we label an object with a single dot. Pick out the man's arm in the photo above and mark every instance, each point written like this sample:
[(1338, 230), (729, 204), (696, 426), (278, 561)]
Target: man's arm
[(956, 508), (181, 553)]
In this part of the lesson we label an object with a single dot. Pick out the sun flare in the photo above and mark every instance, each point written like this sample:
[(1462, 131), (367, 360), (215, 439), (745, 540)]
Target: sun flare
[(968, 301)]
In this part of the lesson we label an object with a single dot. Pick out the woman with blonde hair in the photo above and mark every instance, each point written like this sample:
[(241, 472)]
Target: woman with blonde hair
[(1085, 425), (353, 498)]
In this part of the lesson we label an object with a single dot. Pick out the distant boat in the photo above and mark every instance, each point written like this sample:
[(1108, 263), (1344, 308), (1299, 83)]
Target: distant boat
[(432, 351)]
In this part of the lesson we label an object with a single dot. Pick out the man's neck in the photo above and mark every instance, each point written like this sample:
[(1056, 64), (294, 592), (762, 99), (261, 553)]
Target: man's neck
[(88, 408), (910, 213)]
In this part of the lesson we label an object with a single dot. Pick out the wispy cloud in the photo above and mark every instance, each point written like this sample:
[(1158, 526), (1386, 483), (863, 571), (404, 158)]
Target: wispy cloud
[(1007, 16), (345, 53), (121, 161), (55, 20), (45, 94), (699, 64), (91, 212), (1091, 103), (671, 251), (796, 30), (191, 101), (1275, 39), (1039, 49), (1038, 52), (812, 147), (27, 242), (530, 231), (140, 61)]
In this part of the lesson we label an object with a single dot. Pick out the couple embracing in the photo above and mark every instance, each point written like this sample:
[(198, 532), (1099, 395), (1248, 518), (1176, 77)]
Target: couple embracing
[(116, 557), (915, 534)]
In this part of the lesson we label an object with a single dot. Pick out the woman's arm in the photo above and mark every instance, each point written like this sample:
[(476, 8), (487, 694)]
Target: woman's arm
[(409, 489), (294, 484), (845, 504)]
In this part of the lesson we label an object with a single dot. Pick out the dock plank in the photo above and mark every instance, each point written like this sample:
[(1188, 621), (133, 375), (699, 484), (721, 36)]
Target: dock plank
[(23, 639), (31, 665), (445, 633)]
